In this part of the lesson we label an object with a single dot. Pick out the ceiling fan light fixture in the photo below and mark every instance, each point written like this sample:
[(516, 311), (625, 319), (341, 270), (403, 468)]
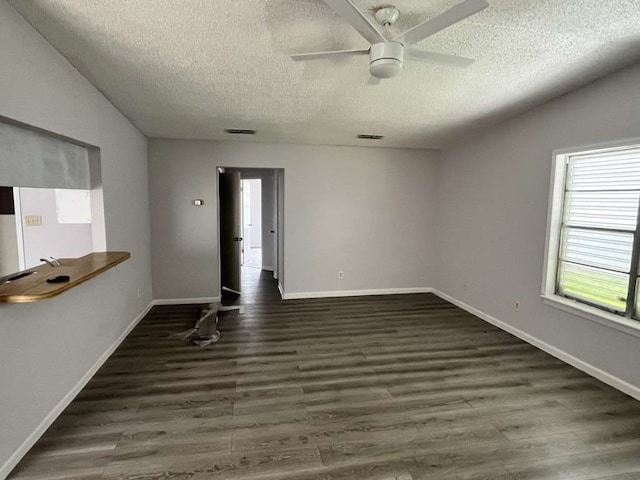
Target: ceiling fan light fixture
[(385, 59)]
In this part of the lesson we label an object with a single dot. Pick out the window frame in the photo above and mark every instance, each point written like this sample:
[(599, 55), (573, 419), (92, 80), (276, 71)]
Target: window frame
[(623, 322)]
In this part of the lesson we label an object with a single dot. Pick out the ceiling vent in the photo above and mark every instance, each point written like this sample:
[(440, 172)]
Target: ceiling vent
[(240, 131), (363, 136)]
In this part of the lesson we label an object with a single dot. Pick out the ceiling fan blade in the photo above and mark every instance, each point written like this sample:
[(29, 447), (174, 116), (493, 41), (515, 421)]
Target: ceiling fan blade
[(453, 15), (373, 81), (320, 55), (433, 57), (348, 11)]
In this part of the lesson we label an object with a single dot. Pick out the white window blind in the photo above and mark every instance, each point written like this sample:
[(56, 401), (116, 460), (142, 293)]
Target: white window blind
[(599, 248), (30, 158)]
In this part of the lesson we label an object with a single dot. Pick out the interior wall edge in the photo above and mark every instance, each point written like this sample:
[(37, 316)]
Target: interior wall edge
[(586, 367), (46, 422)]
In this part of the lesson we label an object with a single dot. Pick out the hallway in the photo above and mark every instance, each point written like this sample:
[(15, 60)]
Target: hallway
[(253, 258), (368, 388)]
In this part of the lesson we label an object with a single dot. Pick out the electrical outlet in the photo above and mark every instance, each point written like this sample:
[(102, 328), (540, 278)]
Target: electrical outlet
[(340, 275), (517, 306), (33, 220)]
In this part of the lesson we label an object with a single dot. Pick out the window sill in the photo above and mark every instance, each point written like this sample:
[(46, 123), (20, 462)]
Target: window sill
[(630, 327)]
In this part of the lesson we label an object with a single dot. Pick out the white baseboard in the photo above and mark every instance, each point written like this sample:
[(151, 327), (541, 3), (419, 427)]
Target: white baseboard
[(280, 289), (275, 274), (587, 368), (22, 450), (356, 293), (186, 301), (267, 268)]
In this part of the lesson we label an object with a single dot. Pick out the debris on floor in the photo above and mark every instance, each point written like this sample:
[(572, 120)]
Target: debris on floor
[(196, 336)]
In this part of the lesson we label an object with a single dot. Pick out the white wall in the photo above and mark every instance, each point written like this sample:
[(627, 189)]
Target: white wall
[(345, 208), (51, 239), (47, 347), (247, 233), (256, 212), (493, 194)]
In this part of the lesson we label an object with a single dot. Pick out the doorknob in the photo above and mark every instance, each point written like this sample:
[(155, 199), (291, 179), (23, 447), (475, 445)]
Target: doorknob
[(237, 239)]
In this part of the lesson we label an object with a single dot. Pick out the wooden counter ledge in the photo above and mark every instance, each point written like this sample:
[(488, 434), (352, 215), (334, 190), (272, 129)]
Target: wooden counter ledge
[(34, 287)]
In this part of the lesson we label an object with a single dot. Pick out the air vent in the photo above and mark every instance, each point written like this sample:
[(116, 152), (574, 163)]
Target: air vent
[(240, 131), (370, 137)]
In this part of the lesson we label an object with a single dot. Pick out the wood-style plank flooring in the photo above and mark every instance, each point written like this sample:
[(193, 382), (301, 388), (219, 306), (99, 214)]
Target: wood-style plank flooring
[(402, 387)]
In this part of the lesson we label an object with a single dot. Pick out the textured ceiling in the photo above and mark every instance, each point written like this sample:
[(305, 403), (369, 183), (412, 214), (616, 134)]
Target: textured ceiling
[(191, 68)]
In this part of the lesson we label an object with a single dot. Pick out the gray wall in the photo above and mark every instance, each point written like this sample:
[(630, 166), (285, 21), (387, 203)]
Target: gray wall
[(47, 347), (493, 196), (365, 211)]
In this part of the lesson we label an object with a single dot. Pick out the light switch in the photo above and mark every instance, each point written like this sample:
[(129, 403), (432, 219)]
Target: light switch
[(33, 220)]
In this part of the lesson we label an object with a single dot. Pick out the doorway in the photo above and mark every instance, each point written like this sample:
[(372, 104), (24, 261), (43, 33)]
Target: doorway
[(251, 228)]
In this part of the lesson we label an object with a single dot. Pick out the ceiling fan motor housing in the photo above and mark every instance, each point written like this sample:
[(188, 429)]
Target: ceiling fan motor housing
[(385, 59)]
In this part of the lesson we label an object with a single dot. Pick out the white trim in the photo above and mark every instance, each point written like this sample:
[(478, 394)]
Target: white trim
[(601, 375), (281, 290), (17, 206), (554, 220), (30, 441), (275, 274), (186, 301), (356, 293), (267, 268), (611, 320), (555, 212)]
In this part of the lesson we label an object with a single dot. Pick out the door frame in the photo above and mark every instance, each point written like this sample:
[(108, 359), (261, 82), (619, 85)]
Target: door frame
[(279, 255), (17, 207)]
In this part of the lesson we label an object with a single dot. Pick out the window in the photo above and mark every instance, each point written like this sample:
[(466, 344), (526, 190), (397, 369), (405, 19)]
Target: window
[(593, 240)]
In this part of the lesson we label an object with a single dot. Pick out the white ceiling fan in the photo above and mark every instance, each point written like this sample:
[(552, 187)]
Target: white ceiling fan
[(386, 56)]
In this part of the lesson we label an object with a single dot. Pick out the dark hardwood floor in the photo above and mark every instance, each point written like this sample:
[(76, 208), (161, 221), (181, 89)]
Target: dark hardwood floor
[(372, 388)]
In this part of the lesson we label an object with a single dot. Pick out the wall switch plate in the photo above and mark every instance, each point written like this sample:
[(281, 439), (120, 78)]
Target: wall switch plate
[(33, 220), (340, 275)]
